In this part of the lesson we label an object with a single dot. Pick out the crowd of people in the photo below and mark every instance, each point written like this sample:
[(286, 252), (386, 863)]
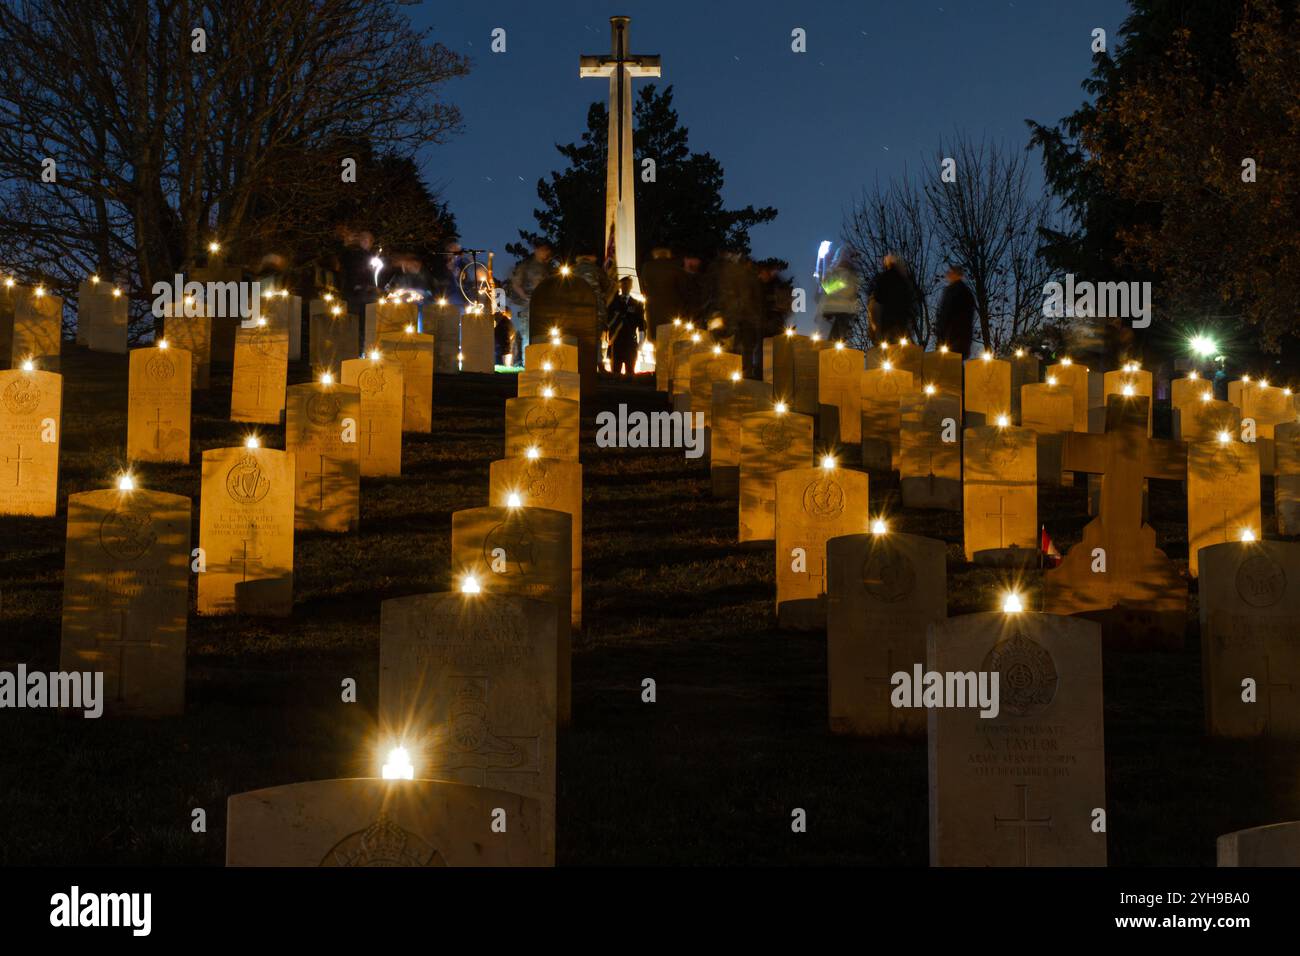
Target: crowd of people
[(734, 300)]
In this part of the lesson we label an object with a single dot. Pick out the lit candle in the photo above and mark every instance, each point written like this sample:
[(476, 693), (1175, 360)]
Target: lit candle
[(398, 765)]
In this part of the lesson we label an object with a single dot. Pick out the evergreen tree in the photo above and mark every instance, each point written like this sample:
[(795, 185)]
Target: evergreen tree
[(682, 208)]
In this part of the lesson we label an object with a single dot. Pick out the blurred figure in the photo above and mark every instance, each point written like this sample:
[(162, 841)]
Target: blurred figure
[(695, 290), (890, 309), (404, 274), (588, 269), (626, 323), (955, 319), (663, 283), (357, 274), (456, 262), (838, 307), (503, 334), (736, 296), (526, 277), (778, 300)]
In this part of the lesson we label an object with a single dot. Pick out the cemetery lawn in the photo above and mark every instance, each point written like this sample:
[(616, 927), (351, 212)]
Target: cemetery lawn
[(707, 774)]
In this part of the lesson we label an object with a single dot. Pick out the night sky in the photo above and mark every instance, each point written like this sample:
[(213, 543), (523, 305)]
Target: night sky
[(880, 83)]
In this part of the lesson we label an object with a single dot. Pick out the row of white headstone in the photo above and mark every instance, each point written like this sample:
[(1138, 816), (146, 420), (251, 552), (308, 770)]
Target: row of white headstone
[(1024, 786)]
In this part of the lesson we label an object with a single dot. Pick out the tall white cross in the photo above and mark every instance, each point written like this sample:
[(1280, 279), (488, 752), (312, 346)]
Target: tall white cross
[(620, 208)]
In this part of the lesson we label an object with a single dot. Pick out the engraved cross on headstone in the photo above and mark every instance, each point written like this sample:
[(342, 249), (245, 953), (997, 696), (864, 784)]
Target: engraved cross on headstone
[(20, 460), (1023, 822), (1288, 689), (122, 643), (1002, 515), (243, 558), (371, 430), (157, 424), (820, 574), (320, 475)]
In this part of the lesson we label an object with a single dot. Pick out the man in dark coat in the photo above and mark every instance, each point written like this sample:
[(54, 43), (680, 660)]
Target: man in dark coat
[(955, 321), (626, 321), (892, 304)]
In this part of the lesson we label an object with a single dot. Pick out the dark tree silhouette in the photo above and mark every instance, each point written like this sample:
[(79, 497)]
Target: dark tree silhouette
[(681, 209), (169, 121)]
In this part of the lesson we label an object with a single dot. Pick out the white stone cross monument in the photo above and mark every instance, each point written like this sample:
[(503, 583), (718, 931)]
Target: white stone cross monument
[(620, 210)]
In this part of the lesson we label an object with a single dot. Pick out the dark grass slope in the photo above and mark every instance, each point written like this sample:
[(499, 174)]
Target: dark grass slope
[(708, 774)]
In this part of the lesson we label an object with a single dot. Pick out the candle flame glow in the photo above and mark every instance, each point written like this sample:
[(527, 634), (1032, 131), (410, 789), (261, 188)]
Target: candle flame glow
[(398, 765)]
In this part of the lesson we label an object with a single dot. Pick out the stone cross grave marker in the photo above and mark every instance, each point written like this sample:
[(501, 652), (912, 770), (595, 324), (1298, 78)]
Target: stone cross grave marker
[(1116, 572)]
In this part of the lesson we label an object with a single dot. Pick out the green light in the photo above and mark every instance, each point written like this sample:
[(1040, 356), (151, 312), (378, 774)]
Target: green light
[(1203, 345)]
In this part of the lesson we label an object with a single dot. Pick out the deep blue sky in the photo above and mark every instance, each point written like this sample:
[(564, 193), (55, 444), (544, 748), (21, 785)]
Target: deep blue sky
[(880, 83)]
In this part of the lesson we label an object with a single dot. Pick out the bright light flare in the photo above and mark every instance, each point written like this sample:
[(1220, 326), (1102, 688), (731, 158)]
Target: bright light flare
[(398, 766)]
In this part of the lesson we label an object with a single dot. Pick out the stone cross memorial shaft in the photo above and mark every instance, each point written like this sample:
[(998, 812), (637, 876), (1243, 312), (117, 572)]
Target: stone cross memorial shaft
[(620, 209)]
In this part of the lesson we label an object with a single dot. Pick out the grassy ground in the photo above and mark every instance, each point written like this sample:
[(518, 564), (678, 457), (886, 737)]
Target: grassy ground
[(708, 774)]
